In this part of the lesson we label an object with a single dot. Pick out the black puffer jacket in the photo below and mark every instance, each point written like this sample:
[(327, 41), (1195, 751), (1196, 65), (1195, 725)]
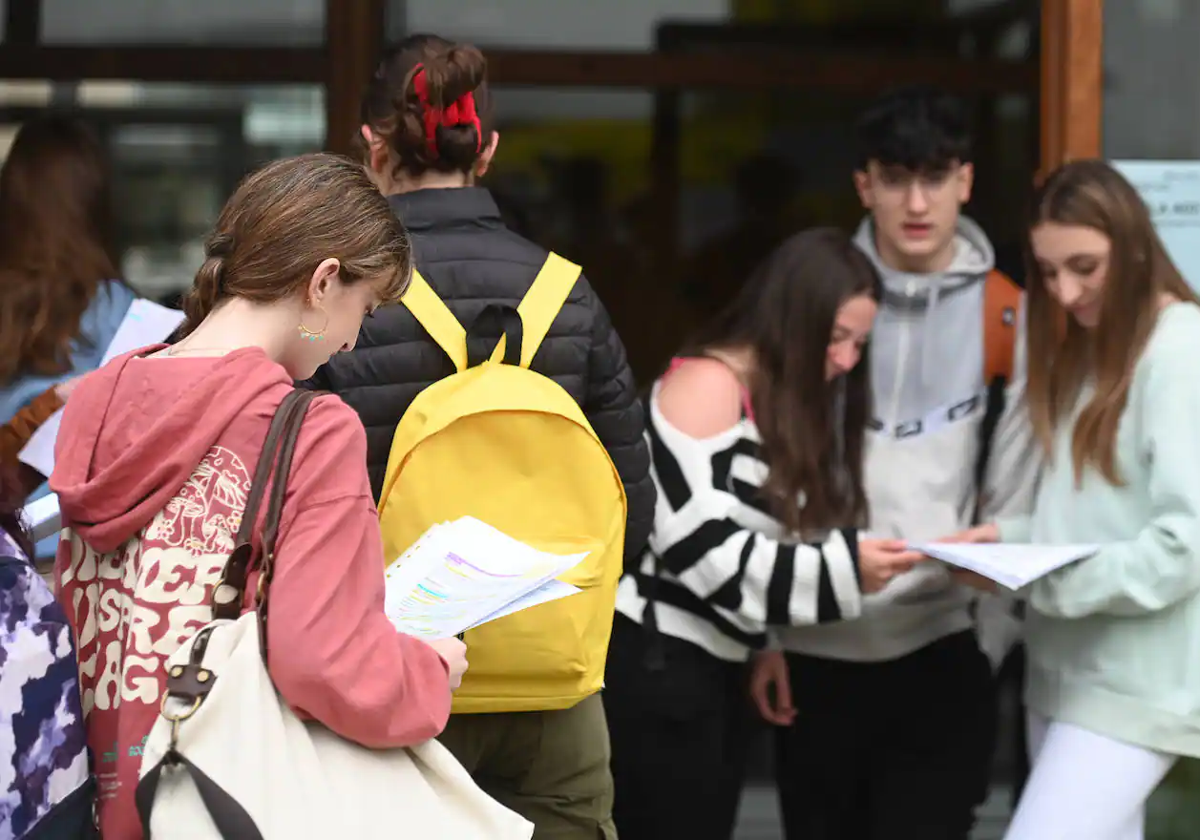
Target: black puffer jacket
[(471, 260)]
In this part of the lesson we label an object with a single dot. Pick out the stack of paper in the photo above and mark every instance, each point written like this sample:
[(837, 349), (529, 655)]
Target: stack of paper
[(1009, 564), (465, 573)]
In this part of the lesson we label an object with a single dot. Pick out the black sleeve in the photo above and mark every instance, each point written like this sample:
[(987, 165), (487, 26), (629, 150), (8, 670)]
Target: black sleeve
[(615, 412)]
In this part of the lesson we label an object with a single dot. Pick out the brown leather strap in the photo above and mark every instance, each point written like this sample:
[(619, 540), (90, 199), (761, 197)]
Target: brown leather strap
[(230, 593), (283, 467)]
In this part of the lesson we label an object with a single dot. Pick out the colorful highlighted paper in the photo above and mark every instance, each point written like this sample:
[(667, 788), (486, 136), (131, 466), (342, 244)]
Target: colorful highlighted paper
[(465, 573)]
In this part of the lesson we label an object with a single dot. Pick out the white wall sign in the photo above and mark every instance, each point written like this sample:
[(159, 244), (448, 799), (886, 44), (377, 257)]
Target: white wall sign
[(1171, 189)]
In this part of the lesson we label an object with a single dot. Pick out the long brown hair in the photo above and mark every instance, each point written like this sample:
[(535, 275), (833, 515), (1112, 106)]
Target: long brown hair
[(785, 315), (287, 217), (1063, 355), (55, 247), (393, 110)]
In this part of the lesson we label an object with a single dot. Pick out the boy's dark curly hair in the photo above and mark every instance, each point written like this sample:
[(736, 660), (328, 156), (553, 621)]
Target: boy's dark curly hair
[(921, 129)]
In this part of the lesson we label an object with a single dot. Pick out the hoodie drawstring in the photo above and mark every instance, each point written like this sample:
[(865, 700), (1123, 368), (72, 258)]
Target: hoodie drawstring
[(928, 360)]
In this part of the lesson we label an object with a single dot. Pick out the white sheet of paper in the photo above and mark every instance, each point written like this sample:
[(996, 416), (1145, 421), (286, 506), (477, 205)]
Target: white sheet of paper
[(549, 591), (43, 517), (145, 323), (38, 451), (464, 573), (1010, 564)]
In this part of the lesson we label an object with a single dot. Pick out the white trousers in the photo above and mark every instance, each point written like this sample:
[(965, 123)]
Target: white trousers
[(1084, 786)]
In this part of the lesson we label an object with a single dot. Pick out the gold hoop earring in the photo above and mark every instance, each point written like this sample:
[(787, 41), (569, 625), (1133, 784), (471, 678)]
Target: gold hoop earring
[(310, 335)]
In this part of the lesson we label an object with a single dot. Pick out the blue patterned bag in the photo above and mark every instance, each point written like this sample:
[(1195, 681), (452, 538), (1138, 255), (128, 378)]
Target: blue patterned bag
[(45, 790)]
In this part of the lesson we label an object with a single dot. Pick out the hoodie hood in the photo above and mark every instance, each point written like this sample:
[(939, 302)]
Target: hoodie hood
[(134, 431), (938, 300), (973, 259)]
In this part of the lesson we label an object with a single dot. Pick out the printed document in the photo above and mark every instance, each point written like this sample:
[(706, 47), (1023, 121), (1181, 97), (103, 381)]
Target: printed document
[(465, 573), (1012, 565)]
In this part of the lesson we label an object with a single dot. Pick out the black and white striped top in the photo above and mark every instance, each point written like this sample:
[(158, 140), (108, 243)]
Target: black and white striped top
[(719, 567)]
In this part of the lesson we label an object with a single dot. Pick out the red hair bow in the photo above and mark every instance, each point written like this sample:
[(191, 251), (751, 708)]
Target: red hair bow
[(460, 112)]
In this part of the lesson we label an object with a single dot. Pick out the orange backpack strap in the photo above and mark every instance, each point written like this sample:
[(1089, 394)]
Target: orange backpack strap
[(1001, 306), (1001, 303)]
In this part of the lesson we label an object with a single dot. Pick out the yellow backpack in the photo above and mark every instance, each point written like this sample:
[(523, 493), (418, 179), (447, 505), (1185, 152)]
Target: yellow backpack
[(509, 446)]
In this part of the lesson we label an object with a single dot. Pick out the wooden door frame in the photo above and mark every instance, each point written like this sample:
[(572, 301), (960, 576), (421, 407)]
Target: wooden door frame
[(1072, 81), (354, 37), (1071, 72)]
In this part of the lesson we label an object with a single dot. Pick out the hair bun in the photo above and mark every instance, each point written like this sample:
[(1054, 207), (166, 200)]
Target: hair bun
[(454, 72), (429, 102), (218, 245)]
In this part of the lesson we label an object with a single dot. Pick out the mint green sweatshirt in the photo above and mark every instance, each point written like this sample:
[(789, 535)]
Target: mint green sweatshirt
[(1114, 640)]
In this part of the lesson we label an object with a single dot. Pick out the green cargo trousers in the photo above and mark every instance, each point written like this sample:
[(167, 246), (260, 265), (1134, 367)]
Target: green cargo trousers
[(550, 767)]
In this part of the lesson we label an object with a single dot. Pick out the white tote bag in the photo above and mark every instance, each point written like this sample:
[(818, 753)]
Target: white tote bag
[(268, 774), (229, 760)]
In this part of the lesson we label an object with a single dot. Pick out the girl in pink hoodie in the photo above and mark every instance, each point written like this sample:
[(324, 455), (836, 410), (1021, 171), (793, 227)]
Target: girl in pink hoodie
[(153, 466)]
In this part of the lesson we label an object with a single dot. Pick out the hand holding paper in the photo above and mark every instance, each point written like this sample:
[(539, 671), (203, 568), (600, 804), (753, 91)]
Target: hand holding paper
[(1012, 565), (454, 654), (988, 533), (974, 580), (880, 561), (465, 573)]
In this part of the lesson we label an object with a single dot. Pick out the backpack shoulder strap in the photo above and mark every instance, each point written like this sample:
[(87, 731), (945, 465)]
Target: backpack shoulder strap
[(437, 319), (542, 303), (1001, 302)]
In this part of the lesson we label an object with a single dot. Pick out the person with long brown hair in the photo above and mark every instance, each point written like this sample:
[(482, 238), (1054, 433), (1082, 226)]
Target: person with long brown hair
[(428, 136), (756, 437), (1113, 694), (155, 460), (61, 299), (949, 447)]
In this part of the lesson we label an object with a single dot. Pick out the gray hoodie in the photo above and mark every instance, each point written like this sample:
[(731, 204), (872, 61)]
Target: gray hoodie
[(928, 391)]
